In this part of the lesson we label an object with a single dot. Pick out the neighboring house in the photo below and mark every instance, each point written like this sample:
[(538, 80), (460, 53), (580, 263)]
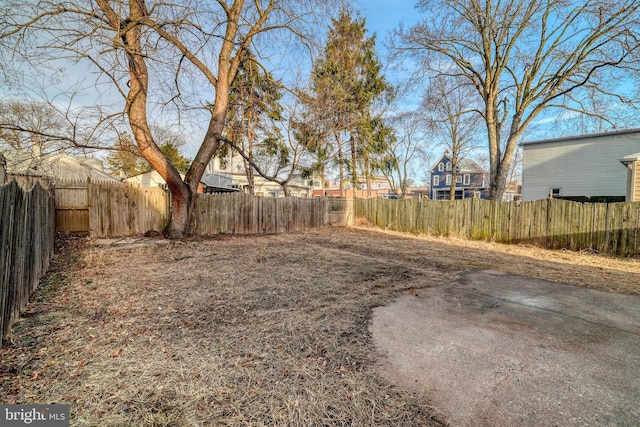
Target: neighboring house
[(632, 162), (218, 182), (25, 166), (152, 179), (580, 166), (512, 192), (471, 179), (379, 186), (232, 167)]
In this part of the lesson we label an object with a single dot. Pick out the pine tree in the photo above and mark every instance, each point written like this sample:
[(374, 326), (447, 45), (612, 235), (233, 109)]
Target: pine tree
[(254, 107), (346, 82)]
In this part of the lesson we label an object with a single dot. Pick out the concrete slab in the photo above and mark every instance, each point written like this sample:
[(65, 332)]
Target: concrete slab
[(493, 349)]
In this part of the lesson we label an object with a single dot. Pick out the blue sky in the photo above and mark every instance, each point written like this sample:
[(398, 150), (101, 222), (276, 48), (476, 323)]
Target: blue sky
[(385, 15)]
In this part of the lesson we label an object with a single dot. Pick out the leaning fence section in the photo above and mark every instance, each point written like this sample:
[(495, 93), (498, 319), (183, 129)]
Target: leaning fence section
[(612, 228), (27, 229)]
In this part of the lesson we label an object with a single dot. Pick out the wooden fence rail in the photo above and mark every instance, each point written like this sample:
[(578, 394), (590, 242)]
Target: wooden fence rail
[(26, 246), (608, 228), (121, 210), (116, 210), (241, 213)]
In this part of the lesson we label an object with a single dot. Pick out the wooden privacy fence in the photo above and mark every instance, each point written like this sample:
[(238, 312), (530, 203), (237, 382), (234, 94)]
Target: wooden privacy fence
[(26, 246), (72, 206), (121, 210), (116, 210), (609, 228), (240, 213)]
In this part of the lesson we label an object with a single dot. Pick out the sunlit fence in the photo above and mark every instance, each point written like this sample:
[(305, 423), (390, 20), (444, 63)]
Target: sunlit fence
[(612, 228), (117, 210)]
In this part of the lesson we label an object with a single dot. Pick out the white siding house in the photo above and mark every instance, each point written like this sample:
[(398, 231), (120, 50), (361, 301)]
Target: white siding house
[(585, 165), (22, 165)]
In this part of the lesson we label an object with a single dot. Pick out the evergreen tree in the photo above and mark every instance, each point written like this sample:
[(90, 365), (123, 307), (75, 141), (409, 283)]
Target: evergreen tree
[(346, 82), (125, 157), (254, 108)]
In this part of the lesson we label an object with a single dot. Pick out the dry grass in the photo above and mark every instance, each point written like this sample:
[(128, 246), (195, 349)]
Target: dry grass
[(248, 331)]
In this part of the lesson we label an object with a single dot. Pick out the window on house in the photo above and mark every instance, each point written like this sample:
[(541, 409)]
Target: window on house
[(555, 192), (436, 180), (466, 179), (440, 167), (448, 179), (449, 166), (458, 179)]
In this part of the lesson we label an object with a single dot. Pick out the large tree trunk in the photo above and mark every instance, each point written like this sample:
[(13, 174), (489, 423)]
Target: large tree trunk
[(496, 159), (136, 109)]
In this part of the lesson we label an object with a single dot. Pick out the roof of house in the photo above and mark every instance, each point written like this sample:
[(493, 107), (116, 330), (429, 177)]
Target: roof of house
[(585, 136), (464, 165), (630, 158), (468, 165), (52, 165)]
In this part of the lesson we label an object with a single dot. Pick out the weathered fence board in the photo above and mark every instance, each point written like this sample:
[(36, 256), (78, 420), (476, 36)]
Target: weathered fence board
[(121, 210), (26, 246), (609, 228), (240, 213)]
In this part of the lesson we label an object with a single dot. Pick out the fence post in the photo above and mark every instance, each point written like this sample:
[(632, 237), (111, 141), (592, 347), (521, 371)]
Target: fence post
[(3, 169)]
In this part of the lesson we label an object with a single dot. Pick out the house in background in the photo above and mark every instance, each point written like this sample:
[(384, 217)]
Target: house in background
[(25, 167), (232, 167), (471, 179), (379, 187), (581, 166), (152, 179), (632, 162)]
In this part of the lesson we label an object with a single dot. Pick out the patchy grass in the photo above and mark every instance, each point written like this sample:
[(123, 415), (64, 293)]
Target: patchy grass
[(250, 331)]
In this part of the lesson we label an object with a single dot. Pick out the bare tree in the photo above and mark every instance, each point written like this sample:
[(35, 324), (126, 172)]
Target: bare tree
[(526, 56), (450, 115), (406, 143), (161, 56), (346, 82)]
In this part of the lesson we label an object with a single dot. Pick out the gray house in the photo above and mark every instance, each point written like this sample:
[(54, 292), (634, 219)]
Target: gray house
[(592, 165), (471, 179)]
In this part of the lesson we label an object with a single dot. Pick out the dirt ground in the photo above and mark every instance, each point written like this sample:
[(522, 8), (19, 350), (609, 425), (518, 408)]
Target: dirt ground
[(263, 330)]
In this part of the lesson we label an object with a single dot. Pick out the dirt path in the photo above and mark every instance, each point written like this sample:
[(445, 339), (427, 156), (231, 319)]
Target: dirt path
[(246, 330)]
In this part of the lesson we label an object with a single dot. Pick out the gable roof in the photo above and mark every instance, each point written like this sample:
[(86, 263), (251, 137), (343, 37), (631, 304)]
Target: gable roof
[(464, 165), (54, 165), (584, 136), (468, 165)]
